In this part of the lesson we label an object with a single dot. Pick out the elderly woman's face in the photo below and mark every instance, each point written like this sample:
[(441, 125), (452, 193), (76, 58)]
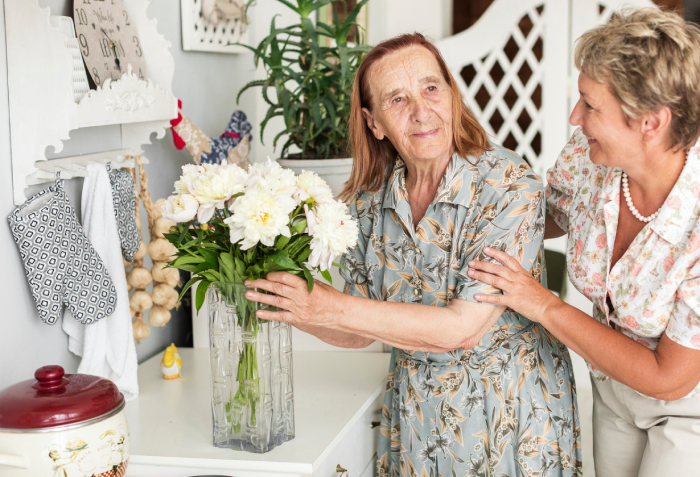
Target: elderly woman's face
[(611, 139), (411, 104)]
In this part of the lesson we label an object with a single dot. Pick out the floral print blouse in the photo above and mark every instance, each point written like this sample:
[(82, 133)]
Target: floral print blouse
[(655, 287), (508, 405)]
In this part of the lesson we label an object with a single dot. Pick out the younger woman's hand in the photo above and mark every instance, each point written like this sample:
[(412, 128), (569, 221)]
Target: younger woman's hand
[(521, 291)]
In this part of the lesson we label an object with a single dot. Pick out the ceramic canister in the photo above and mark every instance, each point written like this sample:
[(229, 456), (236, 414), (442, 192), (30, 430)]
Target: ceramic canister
[(66, 425)]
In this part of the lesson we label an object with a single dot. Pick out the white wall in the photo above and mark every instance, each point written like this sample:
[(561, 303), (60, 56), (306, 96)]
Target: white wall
[(207, 83), (388, 18)]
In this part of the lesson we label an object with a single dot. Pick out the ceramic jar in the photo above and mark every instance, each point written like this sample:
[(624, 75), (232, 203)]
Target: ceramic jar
[(64, 425)]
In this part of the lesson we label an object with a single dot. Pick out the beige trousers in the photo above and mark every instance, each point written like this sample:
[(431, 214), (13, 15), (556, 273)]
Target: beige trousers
[(634, 436)]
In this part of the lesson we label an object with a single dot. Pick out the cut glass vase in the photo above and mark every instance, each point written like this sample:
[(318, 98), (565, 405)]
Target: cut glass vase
[(251, 373)]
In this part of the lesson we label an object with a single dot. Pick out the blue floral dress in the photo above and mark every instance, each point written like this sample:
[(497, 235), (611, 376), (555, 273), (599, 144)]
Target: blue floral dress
[(506, 407)]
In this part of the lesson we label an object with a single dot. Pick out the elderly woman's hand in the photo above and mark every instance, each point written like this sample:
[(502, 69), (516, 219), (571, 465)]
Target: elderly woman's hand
[(290, 294), (521, 291)]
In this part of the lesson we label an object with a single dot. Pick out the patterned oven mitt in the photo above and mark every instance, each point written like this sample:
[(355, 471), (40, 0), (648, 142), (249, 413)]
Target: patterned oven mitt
[(124, 202), (61, 265)]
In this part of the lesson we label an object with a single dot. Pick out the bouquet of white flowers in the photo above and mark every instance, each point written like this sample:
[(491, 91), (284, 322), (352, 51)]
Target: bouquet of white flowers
[(233, 225)]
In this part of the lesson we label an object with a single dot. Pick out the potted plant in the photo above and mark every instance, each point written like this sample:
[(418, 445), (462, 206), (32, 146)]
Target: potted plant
[(310, 68)]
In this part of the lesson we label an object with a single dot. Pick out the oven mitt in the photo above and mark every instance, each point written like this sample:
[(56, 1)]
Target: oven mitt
[(61, 266), (124, 202)]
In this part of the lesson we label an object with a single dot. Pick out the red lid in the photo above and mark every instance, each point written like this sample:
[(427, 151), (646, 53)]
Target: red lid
[(55, 399)]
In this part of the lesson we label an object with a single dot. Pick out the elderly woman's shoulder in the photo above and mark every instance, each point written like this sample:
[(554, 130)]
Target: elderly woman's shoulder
[(501, 164)]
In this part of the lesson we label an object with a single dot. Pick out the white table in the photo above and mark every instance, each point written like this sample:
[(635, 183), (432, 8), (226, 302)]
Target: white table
[(336, 397)]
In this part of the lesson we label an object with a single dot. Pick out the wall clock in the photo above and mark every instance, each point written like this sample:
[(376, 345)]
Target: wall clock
[(108, 39)]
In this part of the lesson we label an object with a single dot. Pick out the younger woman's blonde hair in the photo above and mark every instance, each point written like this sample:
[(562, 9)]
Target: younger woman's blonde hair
[(649, 59)]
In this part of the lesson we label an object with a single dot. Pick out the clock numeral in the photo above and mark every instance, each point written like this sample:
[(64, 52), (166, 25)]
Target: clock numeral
[(140, 73), (81, 16), (126, 17), (96, 76), (119, 50), (139, 53), (86, 2), (84, 45), (104, 46)]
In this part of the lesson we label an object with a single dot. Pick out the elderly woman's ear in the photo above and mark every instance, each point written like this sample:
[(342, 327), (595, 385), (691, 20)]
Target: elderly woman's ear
[(372, 125)]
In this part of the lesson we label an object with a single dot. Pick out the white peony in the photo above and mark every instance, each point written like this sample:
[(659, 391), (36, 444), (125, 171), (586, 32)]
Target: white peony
[(214, 189), (271, 177), (189, 173), (180, 208), (334, 232), (309, 184), (260, 216)]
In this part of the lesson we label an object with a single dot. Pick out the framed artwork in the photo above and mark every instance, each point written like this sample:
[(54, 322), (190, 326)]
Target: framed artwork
[(212, 25)]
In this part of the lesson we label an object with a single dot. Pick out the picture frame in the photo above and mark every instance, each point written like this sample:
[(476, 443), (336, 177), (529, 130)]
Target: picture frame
[(199, 34)]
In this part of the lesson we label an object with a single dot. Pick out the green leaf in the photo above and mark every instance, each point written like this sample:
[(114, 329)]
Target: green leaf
[(327, 276), (187, 259), (281, 242), (201, 293), (309, 278), (340, 265), (187, 286), (299, 227), (282, 259), (227, 267)]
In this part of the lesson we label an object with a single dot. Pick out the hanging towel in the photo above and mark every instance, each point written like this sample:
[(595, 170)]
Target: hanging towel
[(107, 347)]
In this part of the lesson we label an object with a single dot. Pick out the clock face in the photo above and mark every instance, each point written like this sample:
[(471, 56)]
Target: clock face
[(108, 39)]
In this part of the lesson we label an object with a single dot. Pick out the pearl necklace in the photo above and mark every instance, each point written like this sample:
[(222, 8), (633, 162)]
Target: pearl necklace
[(628, 198)]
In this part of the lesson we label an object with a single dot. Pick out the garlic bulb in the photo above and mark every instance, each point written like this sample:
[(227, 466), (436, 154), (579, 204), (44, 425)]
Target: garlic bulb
[(141, 329), (162, 226), (141, 252), (171, 276), (158, 208), (126, 264), (165, 296), (161, 250), (158, 316), (140, 300), (138, 277)]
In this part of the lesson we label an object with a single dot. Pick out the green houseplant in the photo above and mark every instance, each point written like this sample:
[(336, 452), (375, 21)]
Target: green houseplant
[(310, 70)]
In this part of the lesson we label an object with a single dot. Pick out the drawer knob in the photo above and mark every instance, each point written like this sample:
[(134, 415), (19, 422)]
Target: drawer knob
[(374, 424)]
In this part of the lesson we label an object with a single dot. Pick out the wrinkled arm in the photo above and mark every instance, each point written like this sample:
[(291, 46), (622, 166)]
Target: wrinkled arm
[(459, 325)]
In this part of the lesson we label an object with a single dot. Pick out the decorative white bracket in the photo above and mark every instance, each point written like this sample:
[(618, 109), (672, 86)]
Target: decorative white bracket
[(42, 106)]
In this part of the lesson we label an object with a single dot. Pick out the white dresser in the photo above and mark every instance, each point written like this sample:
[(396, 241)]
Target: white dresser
[(337, 397)]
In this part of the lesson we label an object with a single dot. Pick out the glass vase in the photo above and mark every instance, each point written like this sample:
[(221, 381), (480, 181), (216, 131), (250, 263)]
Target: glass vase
[(251, 373)]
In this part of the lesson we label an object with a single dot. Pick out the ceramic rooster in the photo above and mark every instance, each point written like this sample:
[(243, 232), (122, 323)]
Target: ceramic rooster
[(233, 146), (171, 365)]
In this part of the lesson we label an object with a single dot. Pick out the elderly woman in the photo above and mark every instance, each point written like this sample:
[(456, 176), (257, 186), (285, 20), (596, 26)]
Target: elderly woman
[(473, 389), (636, 259)]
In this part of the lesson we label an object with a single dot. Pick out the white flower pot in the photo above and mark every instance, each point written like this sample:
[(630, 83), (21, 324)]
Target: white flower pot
[(335, 172)]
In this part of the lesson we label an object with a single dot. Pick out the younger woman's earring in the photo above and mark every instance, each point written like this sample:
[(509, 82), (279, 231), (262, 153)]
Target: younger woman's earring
[(646, 145)]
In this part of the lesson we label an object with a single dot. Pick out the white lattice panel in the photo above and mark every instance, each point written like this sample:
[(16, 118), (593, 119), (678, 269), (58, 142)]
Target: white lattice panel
[(510, 71), (504, 89), (199, 34)]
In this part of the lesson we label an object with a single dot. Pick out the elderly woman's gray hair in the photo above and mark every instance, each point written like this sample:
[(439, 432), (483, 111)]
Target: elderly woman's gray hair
[(649, 58)]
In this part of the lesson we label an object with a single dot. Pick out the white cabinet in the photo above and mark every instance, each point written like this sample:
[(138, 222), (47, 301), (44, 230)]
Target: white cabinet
[(337, 396)]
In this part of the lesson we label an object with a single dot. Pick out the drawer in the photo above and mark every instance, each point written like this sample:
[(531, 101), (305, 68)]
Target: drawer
[(357, 448)]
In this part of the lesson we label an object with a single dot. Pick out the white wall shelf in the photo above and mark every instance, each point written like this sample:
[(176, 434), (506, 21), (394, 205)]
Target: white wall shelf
[(42, 106)]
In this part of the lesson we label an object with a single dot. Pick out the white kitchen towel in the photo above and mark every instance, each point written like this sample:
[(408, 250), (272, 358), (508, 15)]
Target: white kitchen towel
[(107, 346)]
